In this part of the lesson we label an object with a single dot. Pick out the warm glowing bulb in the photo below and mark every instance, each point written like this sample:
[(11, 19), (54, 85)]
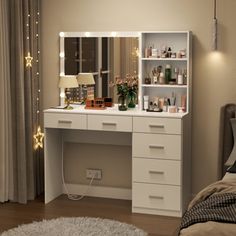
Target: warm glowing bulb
[(87, 34), (113, 34), (62, 54), (62, 95), (28, 60), (61, 34), (38, 139)]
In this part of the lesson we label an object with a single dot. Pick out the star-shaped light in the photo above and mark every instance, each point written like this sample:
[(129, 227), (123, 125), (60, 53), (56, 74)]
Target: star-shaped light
[(38, 139), (28, 60)]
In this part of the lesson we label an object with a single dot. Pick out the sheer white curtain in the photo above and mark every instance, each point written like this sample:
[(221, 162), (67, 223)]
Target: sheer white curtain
[(6, 158)]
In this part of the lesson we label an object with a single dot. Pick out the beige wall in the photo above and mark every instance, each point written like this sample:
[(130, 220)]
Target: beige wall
[(214, 76)]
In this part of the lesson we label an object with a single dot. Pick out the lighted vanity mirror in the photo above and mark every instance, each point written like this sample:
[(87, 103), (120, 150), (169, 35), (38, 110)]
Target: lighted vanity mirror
[(104, 54)]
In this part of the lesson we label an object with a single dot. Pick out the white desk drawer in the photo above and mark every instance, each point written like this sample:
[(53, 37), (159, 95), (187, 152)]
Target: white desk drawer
[(157, 125), (110, 123), (156, 171), (156, 196), (65, 121), (160, 146)]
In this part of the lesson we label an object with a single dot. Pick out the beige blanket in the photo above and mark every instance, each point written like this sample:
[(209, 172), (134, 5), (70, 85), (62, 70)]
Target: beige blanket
[(212, 228)]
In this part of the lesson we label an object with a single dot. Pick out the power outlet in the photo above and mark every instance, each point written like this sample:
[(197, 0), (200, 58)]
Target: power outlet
[(93, 173)]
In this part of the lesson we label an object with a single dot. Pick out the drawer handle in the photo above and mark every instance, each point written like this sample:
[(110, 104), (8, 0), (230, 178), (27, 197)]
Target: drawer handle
[(156, 146), (65, 121), (156, 197), (156, 126), (156, 172), (109, 123)]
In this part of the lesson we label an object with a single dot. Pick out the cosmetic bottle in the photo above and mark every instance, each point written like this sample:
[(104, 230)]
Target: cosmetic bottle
[(154, 52), (147, 53), (176, 73), (165, 105), (168, 73), (180, 79), (162, 78), (145, 102), (185, 76)]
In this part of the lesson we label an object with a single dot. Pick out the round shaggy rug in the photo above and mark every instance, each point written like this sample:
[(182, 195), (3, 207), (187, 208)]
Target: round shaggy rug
[(78, 226)]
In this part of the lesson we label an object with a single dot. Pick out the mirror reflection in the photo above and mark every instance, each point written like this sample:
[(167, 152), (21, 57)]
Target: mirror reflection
[(104, 57)]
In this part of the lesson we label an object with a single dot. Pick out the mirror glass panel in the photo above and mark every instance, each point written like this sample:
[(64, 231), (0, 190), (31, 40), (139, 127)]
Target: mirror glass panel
[(104, 56)]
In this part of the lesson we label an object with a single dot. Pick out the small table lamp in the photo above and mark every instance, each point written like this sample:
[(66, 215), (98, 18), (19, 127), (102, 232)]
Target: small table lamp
[(67, 82), (85, 79)]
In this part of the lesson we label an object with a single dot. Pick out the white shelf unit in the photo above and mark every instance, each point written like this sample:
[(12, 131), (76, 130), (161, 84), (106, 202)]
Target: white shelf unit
[(161, 148), (177, 40)]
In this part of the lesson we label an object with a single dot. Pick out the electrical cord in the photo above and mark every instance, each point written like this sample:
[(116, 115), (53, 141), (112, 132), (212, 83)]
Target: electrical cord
[(70, 196)]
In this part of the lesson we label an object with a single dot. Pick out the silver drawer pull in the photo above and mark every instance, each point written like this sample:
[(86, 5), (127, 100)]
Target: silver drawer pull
[(156, 126), (156, 172), (156, 146), (109, 123), (156, 197), (65, 121)]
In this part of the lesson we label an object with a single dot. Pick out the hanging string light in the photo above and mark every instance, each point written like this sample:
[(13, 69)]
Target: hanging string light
[(28, 58), (38, 136)]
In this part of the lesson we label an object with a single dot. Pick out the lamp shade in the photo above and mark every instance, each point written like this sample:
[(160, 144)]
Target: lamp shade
[(85, 79), (68, 82)]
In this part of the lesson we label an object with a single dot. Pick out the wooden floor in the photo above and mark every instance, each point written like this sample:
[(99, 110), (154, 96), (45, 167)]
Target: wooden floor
[(13, 214)]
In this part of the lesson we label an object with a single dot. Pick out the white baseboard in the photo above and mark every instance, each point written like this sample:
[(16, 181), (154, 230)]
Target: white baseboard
[(99, 191)]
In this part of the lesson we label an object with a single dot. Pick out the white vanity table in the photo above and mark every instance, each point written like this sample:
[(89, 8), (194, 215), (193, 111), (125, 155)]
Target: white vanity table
[(160, 154), (160, 141)]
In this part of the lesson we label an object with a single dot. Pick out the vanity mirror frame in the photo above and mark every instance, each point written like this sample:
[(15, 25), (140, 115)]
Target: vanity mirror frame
[(62, 36)]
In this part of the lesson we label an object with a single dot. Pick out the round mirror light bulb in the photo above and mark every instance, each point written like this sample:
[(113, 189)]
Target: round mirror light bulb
[(62, 95), (62, 54), (113, 34), (61, 34)]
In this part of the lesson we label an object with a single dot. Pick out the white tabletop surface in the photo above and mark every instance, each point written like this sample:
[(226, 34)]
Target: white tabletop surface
[(114, 111)]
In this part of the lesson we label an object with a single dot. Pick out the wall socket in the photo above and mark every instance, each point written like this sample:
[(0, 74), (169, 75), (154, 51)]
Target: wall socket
[(97, 173)]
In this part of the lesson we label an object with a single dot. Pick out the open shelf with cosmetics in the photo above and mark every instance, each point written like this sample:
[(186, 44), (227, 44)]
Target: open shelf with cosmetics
[(165, 70)]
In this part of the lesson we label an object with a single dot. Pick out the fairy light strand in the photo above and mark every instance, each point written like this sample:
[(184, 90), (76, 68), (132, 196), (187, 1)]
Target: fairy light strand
[(28, 57), (38, 136)]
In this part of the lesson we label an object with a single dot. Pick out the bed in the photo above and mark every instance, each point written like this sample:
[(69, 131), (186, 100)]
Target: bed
[(213, 210)]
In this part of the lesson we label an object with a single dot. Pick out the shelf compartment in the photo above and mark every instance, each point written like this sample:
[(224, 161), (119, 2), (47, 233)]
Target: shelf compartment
[(163, 59), (163, 86)]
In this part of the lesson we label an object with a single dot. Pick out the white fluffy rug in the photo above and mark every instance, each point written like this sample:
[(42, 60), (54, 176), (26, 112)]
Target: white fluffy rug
[(79, 226)]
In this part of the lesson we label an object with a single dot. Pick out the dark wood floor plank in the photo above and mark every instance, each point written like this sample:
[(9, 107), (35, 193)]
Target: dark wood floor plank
[(14, 214)]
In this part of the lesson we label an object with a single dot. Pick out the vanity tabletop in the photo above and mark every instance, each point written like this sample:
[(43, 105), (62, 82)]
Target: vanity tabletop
[(80, 109)]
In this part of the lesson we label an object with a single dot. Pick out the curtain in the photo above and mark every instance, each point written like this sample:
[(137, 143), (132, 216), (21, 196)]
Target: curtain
[(5, 103), (21, 177)]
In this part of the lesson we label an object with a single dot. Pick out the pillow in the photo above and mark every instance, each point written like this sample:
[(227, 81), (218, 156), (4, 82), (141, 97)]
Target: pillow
[(232, 156), (232, 169), (229, 177)]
